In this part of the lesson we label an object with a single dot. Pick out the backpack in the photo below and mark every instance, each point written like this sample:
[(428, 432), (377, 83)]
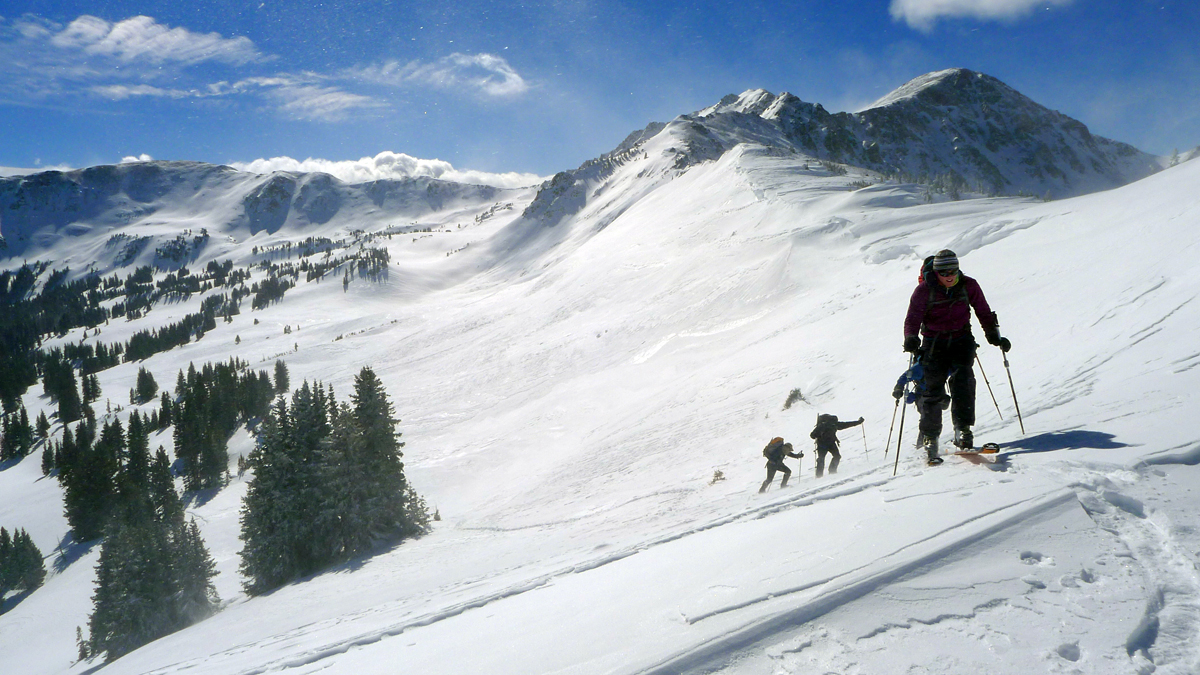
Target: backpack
[(772, 446), (927, 274)]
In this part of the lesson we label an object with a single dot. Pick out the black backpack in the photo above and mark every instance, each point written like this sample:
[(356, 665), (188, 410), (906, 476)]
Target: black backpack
[(774, 445)]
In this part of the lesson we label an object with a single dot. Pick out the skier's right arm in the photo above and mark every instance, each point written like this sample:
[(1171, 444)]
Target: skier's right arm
[(917, 304)]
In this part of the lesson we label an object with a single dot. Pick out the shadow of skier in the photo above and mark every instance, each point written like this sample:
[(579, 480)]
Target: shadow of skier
[(1054, 441)]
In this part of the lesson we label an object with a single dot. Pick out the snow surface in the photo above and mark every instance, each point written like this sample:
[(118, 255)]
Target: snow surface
[(568, 392)]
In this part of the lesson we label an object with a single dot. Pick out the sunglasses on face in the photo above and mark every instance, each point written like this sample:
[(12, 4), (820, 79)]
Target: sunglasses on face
[(947, 273)]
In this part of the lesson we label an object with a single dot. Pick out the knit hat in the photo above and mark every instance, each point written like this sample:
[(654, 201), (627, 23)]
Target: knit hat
[(945, 261)]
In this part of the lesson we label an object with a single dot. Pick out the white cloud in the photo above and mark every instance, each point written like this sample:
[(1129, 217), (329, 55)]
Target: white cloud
[(305, 96), (320, 103), (388, 165), (140, 158), (26, 171), (120, 92), (483, 73), (140, 58), (923, 14), (143, 38)]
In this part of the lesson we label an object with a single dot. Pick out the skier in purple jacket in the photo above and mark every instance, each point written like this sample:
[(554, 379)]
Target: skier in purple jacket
[(940, 311)]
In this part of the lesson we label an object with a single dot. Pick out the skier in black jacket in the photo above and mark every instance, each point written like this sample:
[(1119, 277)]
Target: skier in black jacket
[(775, 451), (825, 434)]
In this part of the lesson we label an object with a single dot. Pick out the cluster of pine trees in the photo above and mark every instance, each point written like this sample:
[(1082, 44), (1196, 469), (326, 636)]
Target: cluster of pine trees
[(211, 403), (21, 564), (95, 462), (328, 485), (16, 435), (155, 574)]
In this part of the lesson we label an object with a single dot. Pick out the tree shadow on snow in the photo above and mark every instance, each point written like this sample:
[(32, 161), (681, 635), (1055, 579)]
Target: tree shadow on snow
[(70, 550), (1054, 441), (7, 604), (198, 498)]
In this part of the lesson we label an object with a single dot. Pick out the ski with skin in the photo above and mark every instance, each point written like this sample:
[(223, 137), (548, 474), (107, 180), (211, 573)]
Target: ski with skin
[(976, 455)]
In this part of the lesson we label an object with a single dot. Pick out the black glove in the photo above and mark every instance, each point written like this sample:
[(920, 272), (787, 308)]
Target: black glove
[(993, 338), (912, 343), (860, 420)]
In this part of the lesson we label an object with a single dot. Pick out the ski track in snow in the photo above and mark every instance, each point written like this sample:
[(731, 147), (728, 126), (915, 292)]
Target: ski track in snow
[(847, 485), (1165, 639)]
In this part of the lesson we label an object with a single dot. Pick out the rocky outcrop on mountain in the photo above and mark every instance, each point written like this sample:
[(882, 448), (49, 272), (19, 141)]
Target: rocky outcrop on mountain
[(956, 123), (954, 127)]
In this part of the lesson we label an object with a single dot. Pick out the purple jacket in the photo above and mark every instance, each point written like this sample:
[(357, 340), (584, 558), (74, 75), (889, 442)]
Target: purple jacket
[(935, 310)]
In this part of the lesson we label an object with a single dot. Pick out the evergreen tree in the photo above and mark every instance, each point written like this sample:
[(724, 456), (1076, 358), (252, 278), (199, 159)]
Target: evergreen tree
[(90, 487), (165, 411), (29, 567), (70, 407), (195, 598), (81, 645), (133, 478), (146, 387), (377, 447), (91, 388), (25, 433), (7, 440), (22, 567), (268, 558), (282, 384), (66, 455), (163, 497), (6, 554), (47, 459), (154, 576), (134, 585), (43, 426)]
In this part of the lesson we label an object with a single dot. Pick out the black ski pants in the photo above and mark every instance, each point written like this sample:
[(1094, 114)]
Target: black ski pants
[(772, 467), (833, 464), (949, 358)]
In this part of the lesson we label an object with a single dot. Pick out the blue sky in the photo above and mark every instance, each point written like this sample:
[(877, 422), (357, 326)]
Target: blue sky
[(539, 86)]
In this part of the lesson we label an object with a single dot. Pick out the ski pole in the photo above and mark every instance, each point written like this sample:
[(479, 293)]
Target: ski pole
[(989, 386), (891, 427), (864, 430), (1014, 391), (899, 437)]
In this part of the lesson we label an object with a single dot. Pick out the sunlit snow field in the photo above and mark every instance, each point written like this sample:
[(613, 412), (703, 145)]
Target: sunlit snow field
[(569, 393)]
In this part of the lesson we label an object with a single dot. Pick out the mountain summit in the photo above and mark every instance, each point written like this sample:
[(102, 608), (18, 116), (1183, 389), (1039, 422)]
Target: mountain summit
[(952, 123)]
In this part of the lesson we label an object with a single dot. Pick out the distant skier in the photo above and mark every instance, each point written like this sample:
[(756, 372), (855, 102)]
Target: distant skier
[(825, 434), (940, 310), (775, 452)]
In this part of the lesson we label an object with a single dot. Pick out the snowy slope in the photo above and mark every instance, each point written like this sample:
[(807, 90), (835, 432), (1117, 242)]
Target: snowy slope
[(570, 381)]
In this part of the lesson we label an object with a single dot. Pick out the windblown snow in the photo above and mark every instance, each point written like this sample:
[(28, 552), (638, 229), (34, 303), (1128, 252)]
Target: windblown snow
[(584, 399)]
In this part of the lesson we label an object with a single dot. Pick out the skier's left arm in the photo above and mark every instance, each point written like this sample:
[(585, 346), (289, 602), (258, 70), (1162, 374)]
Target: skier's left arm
[(987, 318), (847, 425)]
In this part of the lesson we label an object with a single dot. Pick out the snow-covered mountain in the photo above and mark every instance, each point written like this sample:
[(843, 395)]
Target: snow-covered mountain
[(952, 122), (131, 201), (586, 379)]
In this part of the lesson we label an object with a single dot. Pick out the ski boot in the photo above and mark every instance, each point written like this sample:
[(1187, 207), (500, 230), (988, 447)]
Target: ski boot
[(964, 439), (930, 445)]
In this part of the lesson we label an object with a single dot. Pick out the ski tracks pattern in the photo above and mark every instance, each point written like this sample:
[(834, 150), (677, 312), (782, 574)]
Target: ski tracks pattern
[(1161, 541)]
